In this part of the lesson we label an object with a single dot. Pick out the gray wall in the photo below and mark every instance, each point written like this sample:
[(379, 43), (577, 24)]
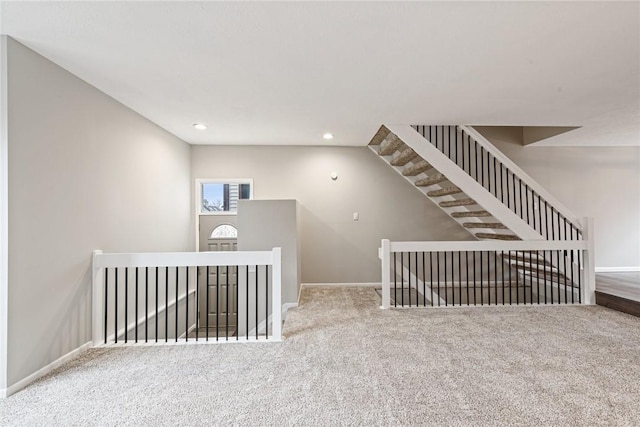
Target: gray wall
[(599, 182), (265, 224), (335, 249), (3, 213), (85, 173)]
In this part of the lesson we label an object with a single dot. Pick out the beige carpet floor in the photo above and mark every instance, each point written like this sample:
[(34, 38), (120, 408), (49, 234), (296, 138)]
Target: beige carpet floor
[(346, 362)]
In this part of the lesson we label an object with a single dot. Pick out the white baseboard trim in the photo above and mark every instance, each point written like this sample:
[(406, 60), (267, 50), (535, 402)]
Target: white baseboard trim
[(285, 308), (346, 285), (262, 325), (6, 392), (191, 329), (617, 269)]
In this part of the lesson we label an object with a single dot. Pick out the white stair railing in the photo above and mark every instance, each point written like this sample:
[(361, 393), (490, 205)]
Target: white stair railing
[(158, 297), (471, 273), (504, 180)]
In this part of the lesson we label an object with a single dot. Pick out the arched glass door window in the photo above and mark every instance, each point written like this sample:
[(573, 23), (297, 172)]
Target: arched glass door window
[(224, 231)]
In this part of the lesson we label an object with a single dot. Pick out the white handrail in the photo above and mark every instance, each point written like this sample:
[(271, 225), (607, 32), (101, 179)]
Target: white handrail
[(183, 259), (487, 245), (532, 183)]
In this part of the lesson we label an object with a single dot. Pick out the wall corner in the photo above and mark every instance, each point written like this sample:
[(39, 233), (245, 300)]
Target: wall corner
[(4, 214)]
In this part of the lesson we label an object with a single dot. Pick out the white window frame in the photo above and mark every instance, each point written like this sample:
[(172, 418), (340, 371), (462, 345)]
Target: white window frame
[(201, 182), (198, 198)]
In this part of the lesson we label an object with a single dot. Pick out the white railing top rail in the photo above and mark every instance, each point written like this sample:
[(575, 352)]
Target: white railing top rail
[(486, 245), (533, 184), (182, 259)]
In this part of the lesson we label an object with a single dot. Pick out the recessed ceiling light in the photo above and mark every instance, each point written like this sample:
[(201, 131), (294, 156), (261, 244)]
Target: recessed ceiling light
[(328, 136), (199, 126)]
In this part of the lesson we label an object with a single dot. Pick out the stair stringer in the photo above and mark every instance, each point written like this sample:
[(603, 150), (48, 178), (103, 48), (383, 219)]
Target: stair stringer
[(460, 179), (414, 282)]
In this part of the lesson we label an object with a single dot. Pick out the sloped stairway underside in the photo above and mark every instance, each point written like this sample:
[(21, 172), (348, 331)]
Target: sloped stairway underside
[(463, 199), (440, 188)]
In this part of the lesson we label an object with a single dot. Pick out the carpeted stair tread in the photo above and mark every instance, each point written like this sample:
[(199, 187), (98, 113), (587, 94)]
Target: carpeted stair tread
[(404, 157), (416, 168), (379, 136), (460, 202), (525, 258), (497, 236), (470, 214), (492, 225), (390, 145), (538, 268), (549, 277), (432, 180), (448, 191)]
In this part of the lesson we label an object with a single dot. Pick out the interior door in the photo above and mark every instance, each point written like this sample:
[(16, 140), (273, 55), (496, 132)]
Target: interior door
[(217, 234)]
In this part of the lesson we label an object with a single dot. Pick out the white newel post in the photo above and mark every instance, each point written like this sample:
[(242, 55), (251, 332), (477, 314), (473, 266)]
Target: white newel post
[(276, 304), (589, 288), (97, 297), (385, 256)]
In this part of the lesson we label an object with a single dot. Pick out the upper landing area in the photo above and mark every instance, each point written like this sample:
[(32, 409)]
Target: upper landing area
[(349, 362)]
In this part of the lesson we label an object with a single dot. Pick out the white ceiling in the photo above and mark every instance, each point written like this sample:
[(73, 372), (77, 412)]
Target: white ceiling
[(285, 73)]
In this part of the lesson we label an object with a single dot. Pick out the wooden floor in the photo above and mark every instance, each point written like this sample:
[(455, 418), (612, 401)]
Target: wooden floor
[(619, 291)]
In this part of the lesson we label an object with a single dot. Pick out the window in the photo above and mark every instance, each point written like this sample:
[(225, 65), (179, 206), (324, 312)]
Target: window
[(224, 231), (221, 197)]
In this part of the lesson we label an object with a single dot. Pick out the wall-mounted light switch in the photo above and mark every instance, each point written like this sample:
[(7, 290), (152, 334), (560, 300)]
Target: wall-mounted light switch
[(356, 216)]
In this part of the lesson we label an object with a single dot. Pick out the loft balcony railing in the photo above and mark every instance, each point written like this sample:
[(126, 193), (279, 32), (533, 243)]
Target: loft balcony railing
[(476, 273), (162, 298)]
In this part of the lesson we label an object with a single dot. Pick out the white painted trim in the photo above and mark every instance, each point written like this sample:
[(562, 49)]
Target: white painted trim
[(299, 293), (533, 184), (286, 307), (191, 329), (276, 295), (276, 321), (384, 254), (589, 282), (617, 269), (183, 259), (487, 245), (261, 325), (192, 341), (4, 213), (45, 370), (468, 185), (97, 298), (344, 285)]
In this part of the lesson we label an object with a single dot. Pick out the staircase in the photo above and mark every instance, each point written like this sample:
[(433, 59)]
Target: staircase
[(485, 192)]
